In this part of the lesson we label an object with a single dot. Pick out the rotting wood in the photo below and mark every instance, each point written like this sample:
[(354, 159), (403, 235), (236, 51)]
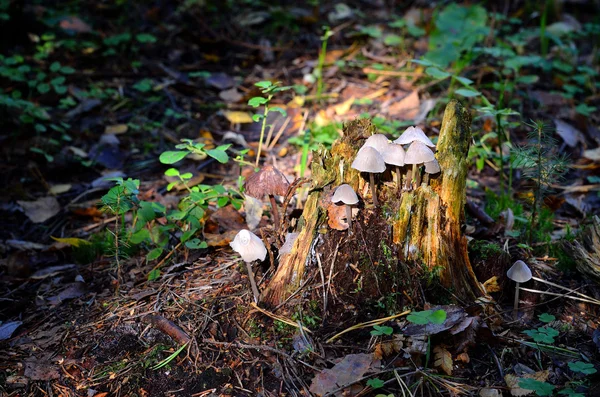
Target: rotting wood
[(426, 222)]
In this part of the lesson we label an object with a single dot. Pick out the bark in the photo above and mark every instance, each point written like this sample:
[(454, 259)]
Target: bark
[(424, 224)]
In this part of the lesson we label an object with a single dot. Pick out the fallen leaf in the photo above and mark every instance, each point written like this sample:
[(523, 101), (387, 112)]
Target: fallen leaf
[(116, 129), (237, 117), (488, 392), (512, 382), (221, 81), (220, 239), (349, 370), (72, 291), (59, 189), (343, 108), (443, 359), (464, 357), (336, 215), (571, 135), (7, 329), (406, 108), (25, 245), (40, 210), (454, 315), (231, 95), (74, 24), (254, 211), (40, 370), (491, 285), (592, 154), (71, 241)]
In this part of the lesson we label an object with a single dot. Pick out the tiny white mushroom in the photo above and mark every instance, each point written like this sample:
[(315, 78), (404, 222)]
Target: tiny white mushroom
[(345, 194), (369, 160), (251, 248), (431, 167), (519, 273), (377, 141), (418, 153), (412, 134), (394, 155)]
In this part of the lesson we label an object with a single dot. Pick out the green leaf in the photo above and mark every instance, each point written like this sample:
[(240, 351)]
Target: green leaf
[(571, 393), (170, 186), (264, 84), (140, 236), (222, 202), (379, 330), (187, 175), (279, 110), (153, 275), (438, 316), (196, 243), (257, 101), (55, 67), (145, 38), (257, 117), (219, 153), (173, 156), (546, 318), (423, 62), (529, 79), (463, 80), (542, 334), (67, 70), (420, 318), (373, 31), (541, 388), (154, 254), (60, 89), (584, 368), (172, 172), (467, 92), (392, 40), (437, 73), (43, 88), (143, 85), (375, 383)]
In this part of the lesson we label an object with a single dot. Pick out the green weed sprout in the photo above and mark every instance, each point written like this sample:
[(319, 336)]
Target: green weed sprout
[(269, 89)]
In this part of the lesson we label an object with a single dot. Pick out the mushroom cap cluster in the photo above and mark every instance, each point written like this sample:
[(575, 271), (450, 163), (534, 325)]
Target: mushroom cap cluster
[(249, 246), (394, 154), (418, 153), (368, 159), (412, 134)]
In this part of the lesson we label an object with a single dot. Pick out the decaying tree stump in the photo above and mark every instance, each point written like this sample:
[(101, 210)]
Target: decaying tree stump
[(421, 228)]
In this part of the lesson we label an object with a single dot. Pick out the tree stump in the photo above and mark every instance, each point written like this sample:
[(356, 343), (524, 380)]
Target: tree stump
[(391, 244)]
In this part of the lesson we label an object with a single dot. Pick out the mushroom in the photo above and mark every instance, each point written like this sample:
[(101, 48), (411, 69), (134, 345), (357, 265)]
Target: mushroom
[(431, 167), (418, 153), (346, 195), (268, 181), (369, 160), (250, 247), (519, 273), (412, 134), (393, 154), (377, 141)]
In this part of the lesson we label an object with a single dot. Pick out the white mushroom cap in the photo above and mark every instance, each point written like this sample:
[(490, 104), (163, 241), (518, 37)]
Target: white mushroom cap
[(377, 141), (519, 272), (368, 159), (345, 194), (249, 246), (393, 154), (432, 167), (412, 134), (418, 153)]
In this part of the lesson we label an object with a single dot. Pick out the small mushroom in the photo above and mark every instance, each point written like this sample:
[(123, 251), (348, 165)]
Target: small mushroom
[(418, 153), (377, 141), (412, 134), (394, 154), (251, 248), (519, 273), (268, 181), (431, 167), (345, 194), (369, 160)]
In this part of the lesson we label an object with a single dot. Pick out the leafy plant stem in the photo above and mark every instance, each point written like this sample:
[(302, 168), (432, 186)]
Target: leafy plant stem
[(538, 185), (321, 63), (262, 130), (543, 37)]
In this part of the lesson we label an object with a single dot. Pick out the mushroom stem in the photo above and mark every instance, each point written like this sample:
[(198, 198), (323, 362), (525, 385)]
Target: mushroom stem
[(275, 211), (373, 189), (407, 180), (398, 179), (414, 173), (253, 282), (426, 179), (516, 307), (349, 218), (418, 177)]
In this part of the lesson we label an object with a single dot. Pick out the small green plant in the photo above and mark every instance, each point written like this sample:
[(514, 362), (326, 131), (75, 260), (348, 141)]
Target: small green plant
[(546, 318), (539, 387), (542, 334), (541, 164), (427, 316), (375, 383), (269, 89), (380, 330), (167, 360), (581, 367), (321, 63)]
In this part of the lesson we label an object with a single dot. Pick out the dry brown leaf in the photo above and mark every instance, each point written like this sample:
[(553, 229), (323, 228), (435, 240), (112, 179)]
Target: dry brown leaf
[(491, 285), (464, 357), (343, 108), (335, 215), (40, 210), (237, 117), (512, 382), (116, 129), (407, 108), (220, 240), (443, 359)]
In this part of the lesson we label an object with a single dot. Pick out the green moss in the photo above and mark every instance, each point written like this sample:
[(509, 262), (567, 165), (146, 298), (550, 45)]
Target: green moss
[(484, 249)]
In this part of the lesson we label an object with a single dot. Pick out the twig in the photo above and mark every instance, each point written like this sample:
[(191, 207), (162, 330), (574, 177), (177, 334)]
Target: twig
[(367, 324), (279, 318)]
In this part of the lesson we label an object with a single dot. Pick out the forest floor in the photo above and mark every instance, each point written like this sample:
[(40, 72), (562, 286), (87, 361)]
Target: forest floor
[(117, 278)]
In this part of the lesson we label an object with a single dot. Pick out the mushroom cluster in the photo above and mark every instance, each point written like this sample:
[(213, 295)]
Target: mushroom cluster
[(413, 147)]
